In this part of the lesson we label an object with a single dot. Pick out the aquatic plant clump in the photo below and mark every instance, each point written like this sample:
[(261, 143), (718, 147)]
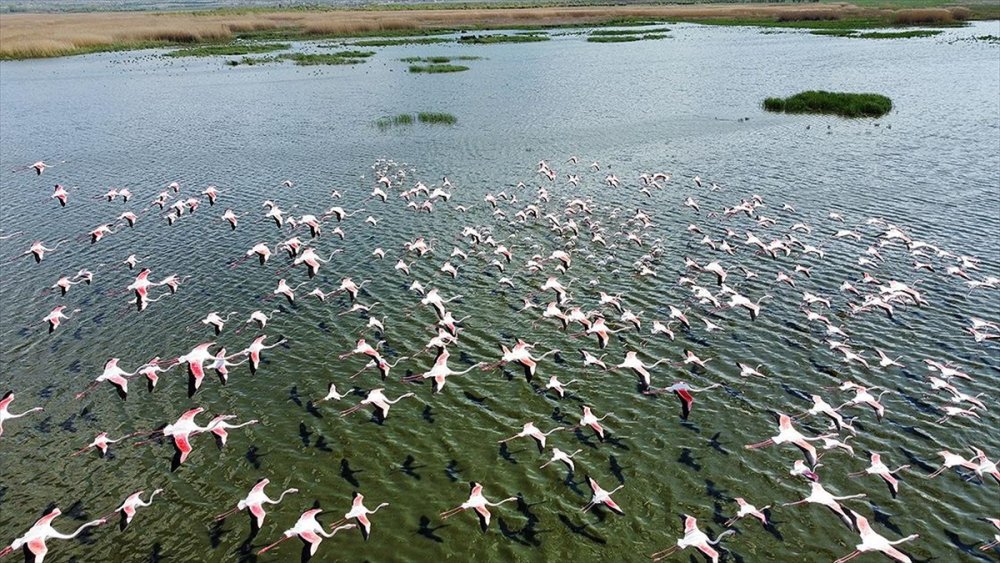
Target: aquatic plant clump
[(835, 103), (624, 38), (437, 68), (338, 58), (436, 118), (495, 39), (230, 49)]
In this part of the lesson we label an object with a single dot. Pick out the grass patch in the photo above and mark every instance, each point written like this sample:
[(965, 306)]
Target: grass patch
[(407, 119), (436, 118), (877, 34), (388, 121), (229, 49), (899, 34), (404, 41), (437, 68), (624, 38), (439, 60), (339, 58), (835, 103), (629, 31), (251, 61), (495, 39)]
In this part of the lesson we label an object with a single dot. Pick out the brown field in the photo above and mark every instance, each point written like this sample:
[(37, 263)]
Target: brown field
[(57, 34)]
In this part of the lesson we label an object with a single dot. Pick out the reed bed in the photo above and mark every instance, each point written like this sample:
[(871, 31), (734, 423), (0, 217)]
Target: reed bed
[(57, 34), (835, 103), (437, 68)]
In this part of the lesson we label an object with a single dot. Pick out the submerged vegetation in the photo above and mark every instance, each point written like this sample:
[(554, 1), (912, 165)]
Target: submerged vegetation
[(402, 41), (877, 34), (58, 34), (632, 31), (501, 38), (624, 38), (835, 103), (403, 119), (439, 60), (338, 58), (436, 118), (437, 68), (230, 49)]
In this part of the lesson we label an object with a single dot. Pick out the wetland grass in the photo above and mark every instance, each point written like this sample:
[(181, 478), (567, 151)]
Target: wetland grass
[(406, 119), (624, 38), (229, 49), (338, 58), (633, 31), (437, 68), (57, 34), (853, 33), (435, 118), (834, 103), (500, 38)]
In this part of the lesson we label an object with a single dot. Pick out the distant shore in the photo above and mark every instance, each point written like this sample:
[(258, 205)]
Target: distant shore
[(25, 36)]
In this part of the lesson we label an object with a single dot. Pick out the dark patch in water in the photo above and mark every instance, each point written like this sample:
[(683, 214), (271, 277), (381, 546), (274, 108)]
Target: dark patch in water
[(688, 459), (348, 474)]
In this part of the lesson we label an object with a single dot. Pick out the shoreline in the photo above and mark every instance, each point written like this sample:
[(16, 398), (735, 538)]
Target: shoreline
[(44, 35)]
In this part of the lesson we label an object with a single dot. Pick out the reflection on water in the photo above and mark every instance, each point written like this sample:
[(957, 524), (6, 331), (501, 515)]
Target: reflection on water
[(688, 106)]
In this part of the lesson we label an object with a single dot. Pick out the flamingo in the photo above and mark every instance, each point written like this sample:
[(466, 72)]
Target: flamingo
[(439, 371), (747, 509), (34, 538), (5, 414), (478, 503), (879, 468), (683, 391), (529, 429), (195, 359), (218, 426), (61, 194), (255, 348), (819, 495), (377, 398), (952, 460), (100, 442), (693, 537), (55, 317), (559, 455), (872, 541), (788, 434), (133, 502), (588, 419), (600, 496), (255, 501), (309, 530), (360, 512), (633, 362)]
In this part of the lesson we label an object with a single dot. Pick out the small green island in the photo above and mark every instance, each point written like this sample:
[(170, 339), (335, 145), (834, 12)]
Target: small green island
[(835, 103)]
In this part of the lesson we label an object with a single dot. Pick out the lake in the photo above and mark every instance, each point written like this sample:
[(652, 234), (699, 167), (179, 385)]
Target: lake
[(687, 105)]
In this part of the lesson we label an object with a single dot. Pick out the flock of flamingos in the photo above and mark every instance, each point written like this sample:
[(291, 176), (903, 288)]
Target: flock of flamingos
[(530, 238)]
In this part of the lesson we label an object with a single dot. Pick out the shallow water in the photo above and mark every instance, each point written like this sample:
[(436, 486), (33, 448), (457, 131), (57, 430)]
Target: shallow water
[(688, 105)]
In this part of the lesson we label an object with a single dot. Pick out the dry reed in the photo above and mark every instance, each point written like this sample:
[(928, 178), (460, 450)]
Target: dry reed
[(55, 34)]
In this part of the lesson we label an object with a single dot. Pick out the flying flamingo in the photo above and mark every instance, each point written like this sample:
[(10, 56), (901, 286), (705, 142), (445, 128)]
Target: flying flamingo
[(61, 194), (478, 503), (747, 509), (255, 348), (879, 468), (218, 426), (952, 460), (529, 429), (633, 362), (788, 434), (132, 503), (286, 290), (360, 512), (440, 371), (588, 419), (100, 442), (216, 321), (255, 501), (819, 495), (195, 359), (996, 537), (872, 541), (693, 537), (5, 414), (38, 250), (600, 496), (683, 391), (559, 386), (221, 364), (182, 431), (377, 398), (55, 317), (559, 455), (113, 374), (34, 538), (309, 530)]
